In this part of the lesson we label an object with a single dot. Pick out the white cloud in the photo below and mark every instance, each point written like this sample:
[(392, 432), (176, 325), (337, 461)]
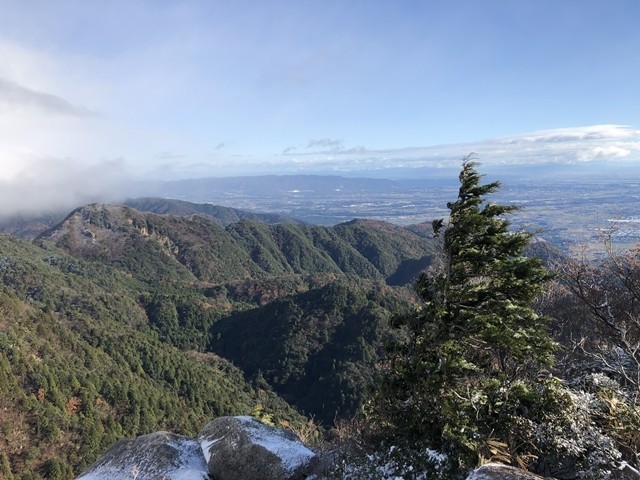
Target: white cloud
[(54, 184), (23, 66), (554, 146), (17, 97), (561, 135), (55, 153), (52, 149), (569, 145), (604, 153), (325, 143)]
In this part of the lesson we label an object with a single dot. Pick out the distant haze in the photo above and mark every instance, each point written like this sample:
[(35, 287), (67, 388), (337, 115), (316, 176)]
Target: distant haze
[(94, 95), (56, 185), (50, 185)]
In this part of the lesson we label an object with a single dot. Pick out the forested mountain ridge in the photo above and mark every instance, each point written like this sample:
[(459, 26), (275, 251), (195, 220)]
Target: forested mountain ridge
[(29, 226), (81, 366), (223, 215), (200, 248), (294, 278), (317, 349), (116, 323)]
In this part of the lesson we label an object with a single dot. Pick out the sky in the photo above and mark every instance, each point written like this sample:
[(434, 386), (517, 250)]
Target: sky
[(95, 93)]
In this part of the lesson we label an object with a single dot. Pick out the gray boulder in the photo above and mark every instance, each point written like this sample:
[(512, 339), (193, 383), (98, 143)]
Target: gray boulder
[(150, 457), (497, 471), (241, 448)]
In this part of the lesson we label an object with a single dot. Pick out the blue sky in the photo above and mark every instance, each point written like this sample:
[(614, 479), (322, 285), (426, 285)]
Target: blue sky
[(96, 91)]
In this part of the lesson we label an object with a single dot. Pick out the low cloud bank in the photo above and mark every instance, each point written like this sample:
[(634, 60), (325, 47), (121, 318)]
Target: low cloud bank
[(54, 185), (544, 147)]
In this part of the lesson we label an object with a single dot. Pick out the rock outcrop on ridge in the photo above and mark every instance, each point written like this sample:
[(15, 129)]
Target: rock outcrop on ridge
[(156, 455), (238, 448), (232, 448), (229, 448)]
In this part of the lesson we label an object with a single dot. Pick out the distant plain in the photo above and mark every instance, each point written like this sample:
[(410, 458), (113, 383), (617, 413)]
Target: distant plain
[(574, 209)]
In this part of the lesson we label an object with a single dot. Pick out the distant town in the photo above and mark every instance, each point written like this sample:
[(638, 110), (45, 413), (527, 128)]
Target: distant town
[(577, 215)]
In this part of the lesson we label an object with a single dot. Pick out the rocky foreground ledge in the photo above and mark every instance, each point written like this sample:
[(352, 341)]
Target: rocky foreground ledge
[(230, 448)]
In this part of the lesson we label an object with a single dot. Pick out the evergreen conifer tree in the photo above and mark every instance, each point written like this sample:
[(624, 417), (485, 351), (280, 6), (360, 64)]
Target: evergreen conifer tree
[(461, 377)]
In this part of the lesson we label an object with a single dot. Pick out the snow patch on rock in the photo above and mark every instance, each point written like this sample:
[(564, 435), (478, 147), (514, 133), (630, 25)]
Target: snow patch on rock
[(292, 453), (157, 455), (205, 446)]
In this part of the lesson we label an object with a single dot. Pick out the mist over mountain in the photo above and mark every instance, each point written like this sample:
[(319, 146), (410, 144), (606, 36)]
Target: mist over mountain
[(570, 205)]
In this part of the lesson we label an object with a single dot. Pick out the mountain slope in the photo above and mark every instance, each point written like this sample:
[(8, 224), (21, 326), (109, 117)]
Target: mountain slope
[(224, 215), (318, 348), (30, 226), (113, 323), (199, 248), (221, 289), (80, 366)]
